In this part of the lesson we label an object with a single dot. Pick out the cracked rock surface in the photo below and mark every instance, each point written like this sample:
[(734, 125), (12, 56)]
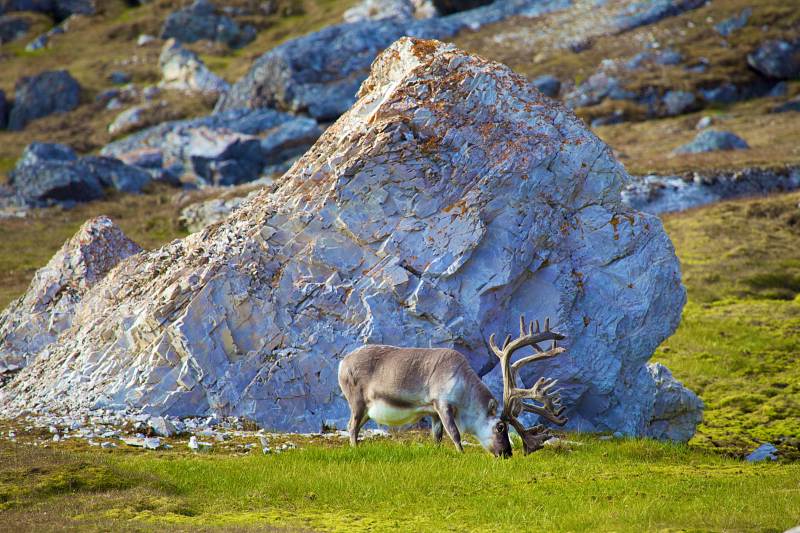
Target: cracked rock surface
[(30, 324), (452, 197)]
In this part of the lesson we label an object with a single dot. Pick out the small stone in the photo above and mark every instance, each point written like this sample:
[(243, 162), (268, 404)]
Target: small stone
[(713, 140), (151, 92), (703, 123), (152, 443), (765, 452), (119, 78), (618, 435), (144, 39), (108, 445)]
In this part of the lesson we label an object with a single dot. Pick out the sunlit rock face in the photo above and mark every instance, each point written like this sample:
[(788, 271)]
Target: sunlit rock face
[(32, 323), (452, 197)]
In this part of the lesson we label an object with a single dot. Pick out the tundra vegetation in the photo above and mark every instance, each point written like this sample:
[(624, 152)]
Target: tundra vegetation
[(736, 347)]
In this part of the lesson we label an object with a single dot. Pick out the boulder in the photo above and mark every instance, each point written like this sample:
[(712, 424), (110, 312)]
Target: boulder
[(183, 70), (446, 7), (63, 9), (283, 145), (59, 9), (676, 409), (200, 21), (162, 426), (319, 73), (711, 141), (41, 95), (777, 59), (726, 93), (452, 197), (282, 138), (49, 173), (595, 89), (637, 14), (380, 9), (678, 102), (37, 319), (547, 85), (217, 157), (12, 28)]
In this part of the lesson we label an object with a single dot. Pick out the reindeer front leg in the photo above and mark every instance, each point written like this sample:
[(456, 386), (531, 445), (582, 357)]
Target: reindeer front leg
[(447, 416)]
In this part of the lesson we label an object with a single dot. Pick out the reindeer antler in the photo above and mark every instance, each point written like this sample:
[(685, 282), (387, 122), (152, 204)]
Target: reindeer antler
[(549, 405)]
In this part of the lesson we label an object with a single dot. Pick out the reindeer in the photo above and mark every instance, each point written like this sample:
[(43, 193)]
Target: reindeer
[(397, 386)]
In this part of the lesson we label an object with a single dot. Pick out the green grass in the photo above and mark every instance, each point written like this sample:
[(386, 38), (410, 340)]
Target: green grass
[(739, 340), (407, 484)]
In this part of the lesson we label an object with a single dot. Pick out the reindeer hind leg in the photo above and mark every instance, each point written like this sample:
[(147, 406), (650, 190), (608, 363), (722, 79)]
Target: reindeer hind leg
[(358, 417)]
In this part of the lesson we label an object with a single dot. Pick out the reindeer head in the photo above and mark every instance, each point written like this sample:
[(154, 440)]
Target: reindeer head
[(493, 432), (549, 406)]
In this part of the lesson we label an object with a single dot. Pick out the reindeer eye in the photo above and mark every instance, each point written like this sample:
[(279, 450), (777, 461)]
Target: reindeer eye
[(500, 427)]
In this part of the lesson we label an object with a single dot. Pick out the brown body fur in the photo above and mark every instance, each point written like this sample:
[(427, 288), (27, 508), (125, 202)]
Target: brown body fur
[(396, 386)]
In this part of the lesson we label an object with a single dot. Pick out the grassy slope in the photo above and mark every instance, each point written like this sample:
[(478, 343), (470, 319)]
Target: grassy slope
[(739, 340), (645, 147), (628, 485)]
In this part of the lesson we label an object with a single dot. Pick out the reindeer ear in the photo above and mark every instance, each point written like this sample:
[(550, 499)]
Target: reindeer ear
[(492, 407)]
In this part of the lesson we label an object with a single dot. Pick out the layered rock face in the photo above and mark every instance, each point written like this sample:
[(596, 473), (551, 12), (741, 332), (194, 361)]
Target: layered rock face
[(452, 197), (33, 322)]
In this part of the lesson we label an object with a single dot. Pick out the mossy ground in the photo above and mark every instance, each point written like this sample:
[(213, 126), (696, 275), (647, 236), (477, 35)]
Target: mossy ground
[(739, 341), (404, 483)]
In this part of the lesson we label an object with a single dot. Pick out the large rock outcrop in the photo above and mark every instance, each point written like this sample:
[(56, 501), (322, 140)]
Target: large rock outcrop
[(452, 197), (33, 322)]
